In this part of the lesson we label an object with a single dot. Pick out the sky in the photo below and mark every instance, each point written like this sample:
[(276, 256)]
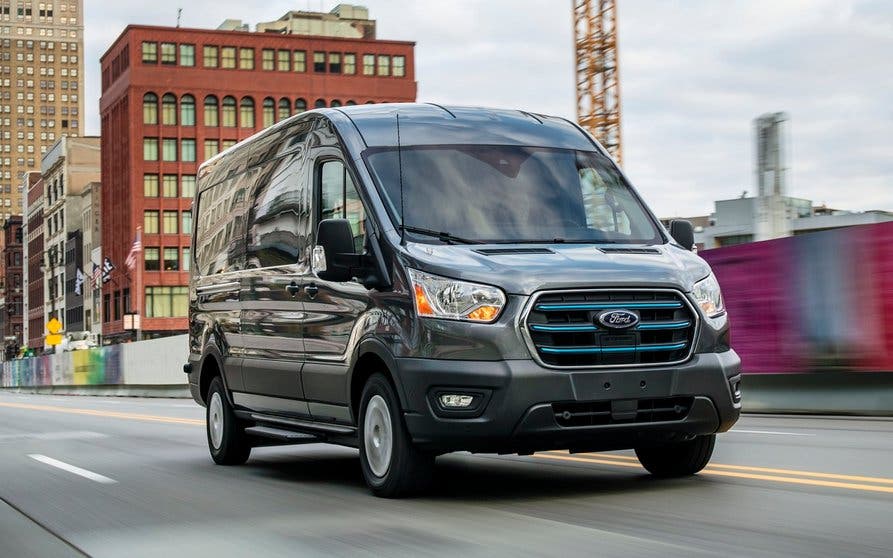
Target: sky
[(694, 74)]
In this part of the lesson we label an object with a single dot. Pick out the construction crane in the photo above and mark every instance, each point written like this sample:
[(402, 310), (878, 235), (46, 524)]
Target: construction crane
[(598, 75)]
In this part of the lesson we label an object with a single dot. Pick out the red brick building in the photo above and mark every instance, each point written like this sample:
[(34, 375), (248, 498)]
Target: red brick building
[(173, 97)]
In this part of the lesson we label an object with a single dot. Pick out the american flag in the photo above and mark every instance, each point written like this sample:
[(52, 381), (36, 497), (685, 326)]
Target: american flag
[(137, 247), (97, 274)]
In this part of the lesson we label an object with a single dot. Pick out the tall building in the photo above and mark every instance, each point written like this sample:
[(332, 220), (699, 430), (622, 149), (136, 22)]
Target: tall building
[(172, 98), (772, 218), (41, 86), (34, 262), (15, 286)]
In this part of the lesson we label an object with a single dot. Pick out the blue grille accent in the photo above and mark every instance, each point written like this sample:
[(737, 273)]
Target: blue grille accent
[(664, 325), (582, 327), (593, 350), (608, 306)]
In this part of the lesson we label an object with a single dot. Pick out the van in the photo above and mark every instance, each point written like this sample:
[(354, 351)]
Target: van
[(412, 280)]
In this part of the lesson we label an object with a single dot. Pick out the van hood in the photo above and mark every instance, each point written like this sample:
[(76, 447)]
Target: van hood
[(523, 269)]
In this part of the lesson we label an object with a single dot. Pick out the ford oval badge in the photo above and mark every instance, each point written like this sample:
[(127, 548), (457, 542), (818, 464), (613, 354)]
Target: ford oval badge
[(618, 319)]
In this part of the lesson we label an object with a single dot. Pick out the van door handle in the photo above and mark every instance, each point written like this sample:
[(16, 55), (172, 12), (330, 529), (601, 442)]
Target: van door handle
[(292, 288), (311, 290)]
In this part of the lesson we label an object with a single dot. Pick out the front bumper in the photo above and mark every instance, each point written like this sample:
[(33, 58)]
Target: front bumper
[(516, 413)]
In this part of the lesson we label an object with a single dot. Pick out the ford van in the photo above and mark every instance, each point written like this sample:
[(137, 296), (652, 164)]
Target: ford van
[(413, 279)]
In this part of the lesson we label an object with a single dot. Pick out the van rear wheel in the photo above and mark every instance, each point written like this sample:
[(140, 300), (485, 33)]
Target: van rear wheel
[(392, 465), (227, 441), (678, 459)]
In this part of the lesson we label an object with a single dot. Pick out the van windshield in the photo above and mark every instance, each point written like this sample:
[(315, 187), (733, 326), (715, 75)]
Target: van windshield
[(509, 194)]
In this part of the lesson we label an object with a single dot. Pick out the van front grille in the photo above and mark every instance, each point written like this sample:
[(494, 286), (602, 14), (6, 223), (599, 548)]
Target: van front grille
[(566, 331), (600, 413)]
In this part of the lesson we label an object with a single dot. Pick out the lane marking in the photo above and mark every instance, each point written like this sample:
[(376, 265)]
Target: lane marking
[(96, 477), (714, 470), (106, 414), (771, 432)]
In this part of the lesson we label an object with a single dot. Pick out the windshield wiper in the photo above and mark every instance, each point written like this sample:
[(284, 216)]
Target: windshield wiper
[(442, 236)]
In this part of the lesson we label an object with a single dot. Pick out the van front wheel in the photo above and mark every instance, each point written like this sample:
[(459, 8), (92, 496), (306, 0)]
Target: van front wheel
[(678, 459), (392, 465)]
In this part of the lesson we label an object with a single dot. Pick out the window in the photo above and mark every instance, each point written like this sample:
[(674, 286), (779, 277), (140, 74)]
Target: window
[(246, 58), (300, 106), (171, 259), (169, 149), (228, 114), (187, 150), (150, 222), (267, 56), (246, 112), (350, 63), (209, 56), (212, 147), (283, 60), (269, 112), (187, 110), (186, 224), (169, 223), (384, 65), (335, 103), (319, 62), (320, 103), (299, 61), (339, 200), (167, 302), (150, 257), (186, 261), (169, 189), (368, 64), (227, 143), (168, 53), (211, 114), (399, 66), (150, 185), (187, 185), (334, 63), (187, 55), (150, 53), (169, 110), (150, 108), (284, 109), (228, 57), (150, 149)]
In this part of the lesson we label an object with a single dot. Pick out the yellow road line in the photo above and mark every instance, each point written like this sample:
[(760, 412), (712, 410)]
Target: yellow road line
[(106, 414), (710, 470), (749, 468)]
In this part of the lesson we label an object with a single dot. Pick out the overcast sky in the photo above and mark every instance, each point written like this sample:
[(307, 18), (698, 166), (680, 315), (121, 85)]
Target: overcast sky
[(694, 74)]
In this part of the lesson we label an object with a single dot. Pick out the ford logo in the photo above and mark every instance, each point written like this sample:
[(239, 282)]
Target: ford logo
[(618, 319)]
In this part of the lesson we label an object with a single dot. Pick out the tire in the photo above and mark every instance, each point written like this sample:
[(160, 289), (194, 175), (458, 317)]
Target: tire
[(679, 459), (392, 465), (227, 440)]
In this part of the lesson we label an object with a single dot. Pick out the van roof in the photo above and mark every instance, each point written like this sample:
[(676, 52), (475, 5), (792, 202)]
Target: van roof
[(432, 124)]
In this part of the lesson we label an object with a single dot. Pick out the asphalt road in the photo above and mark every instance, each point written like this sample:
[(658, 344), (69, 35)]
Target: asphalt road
[(132, 477)]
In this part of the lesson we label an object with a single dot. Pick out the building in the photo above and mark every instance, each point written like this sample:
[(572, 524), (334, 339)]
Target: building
[(173, 97), (34, 324), (41, 86), (345, 20), (91, 259), (67, 168), (14, 288)]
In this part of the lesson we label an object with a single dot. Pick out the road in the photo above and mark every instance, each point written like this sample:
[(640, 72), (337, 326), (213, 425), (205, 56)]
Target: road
[(132, 477)]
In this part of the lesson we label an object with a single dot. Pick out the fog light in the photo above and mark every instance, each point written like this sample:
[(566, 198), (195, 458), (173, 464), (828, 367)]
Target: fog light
[(456, 401)]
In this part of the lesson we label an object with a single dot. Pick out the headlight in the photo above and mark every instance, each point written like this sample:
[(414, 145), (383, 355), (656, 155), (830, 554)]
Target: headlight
[(439, 297), (709, 297)]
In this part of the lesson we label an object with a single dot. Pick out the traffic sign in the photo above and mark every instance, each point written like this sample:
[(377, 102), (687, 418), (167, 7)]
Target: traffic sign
[(54, 339), (54, 326)]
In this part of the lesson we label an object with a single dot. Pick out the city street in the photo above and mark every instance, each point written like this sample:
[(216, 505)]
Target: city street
[(132, 477)]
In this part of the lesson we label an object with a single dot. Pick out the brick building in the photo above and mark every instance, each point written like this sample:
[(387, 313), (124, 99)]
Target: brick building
[(14, 282), (173, 97), (35, 325)]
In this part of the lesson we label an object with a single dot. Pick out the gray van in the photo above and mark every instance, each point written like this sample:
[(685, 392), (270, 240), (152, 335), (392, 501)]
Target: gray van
[(413, 279)]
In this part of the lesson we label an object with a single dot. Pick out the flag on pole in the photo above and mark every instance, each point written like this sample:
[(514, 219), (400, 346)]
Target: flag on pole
[(97, 275), (135, 249), (107, 268), (78, 281)]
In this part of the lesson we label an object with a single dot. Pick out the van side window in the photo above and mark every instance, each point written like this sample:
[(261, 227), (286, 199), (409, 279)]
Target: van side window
[(339, 200), (220, 224)]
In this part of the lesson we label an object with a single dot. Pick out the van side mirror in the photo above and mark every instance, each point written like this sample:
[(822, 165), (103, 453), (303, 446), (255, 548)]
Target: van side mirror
[(683, 233), (334, 251)]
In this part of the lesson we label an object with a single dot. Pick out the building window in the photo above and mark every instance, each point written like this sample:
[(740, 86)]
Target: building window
[(228, 114), (187, 185), (284, 109), (187, 110), (150, 108), (246, 58), (335, 103), (151, 259), (169, 110), (209, 56), (166, 302), (320, 103), (186, 262), (283, 61), (384, 65), (169, 149), (169, 189), (186, 225), (169, 224), (267, 59), (211, 111), (168, 53), (150, 222), (150, 185), (227, 143), (334, 63), (350, 102), (319, 62), (368, 64), (300, 106), (399, 66), (171, 259), (212, 147), (150, 53), (187, 150), (246, 112), (299, 61), (350, 64), (269, 112), (150, 149), (187, 55), (228, 57)]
